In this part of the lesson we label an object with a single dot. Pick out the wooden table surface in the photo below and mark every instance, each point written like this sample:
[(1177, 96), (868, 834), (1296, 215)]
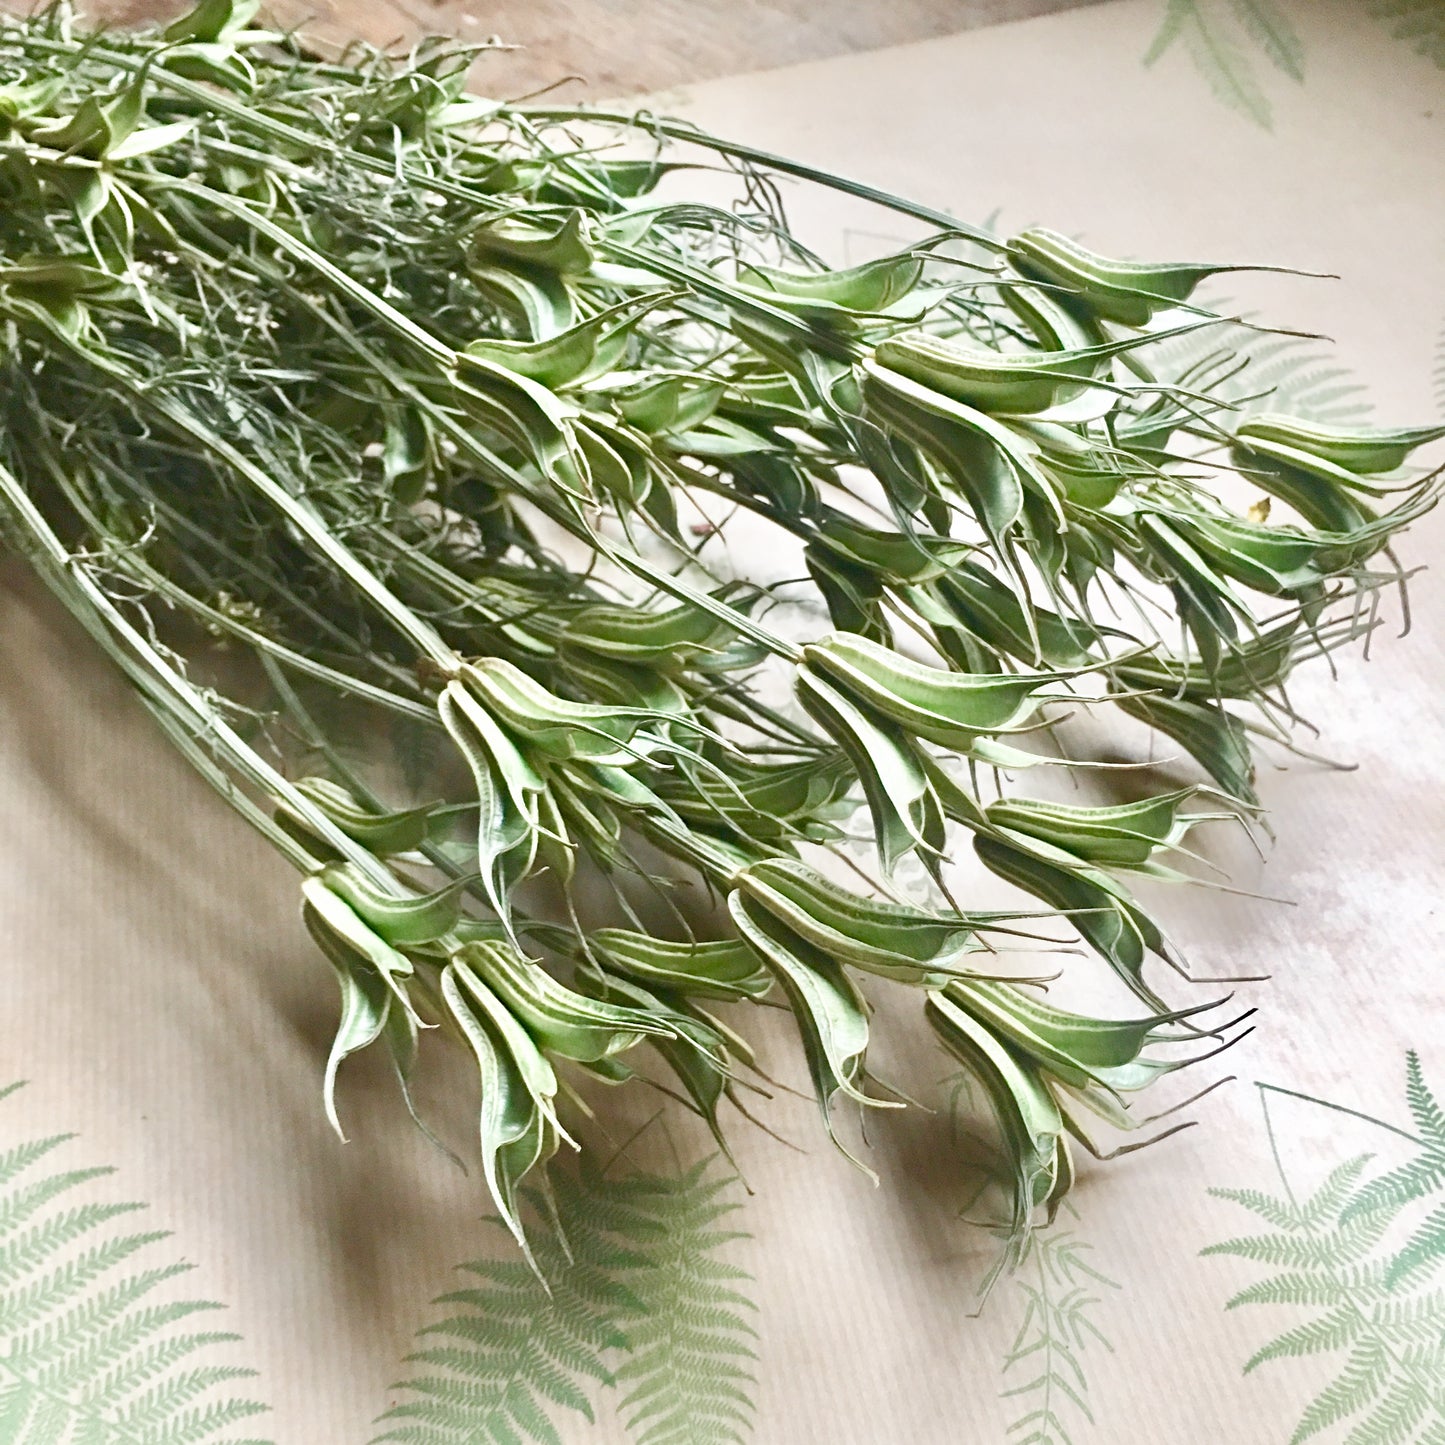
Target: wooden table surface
[(599, 48)]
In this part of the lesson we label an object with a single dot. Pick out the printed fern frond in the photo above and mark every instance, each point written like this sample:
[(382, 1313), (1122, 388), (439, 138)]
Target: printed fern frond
[(1296, 1288), (1336, 1260), (636, 1281), (1425, 1249), (1345, 1395), (1274, 34), (1421, 1176), (687, 1374), (1282, 1213), (1424, 1108), (515, 1353), (1331, 1197), (1419, 22), (1327, 1250), (1214, 47), (1330, 1332), (1413, 1320), (1394, 1419), (1052, 1339), (88, 1351)]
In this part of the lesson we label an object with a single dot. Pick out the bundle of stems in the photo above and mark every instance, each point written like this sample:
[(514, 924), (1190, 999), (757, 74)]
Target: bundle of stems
[(400, 446)]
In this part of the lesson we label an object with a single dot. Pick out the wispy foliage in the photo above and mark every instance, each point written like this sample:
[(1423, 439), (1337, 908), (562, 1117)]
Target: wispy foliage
[(1231, 41)]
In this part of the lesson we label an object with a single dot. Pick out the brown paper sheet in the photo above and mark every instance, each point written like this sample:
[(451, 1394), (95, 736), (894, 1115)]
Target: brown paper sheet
[(164, 1004)]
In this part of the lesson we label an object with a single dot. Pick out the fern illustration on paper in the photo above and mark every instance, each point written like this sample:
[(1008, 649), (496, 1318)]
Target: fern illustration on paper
[(1043, 1369), (640, 1298), (1420, 23), (1231, 41), (94, 1348), (1225, 39), (1439, 372), (1359, 1261)]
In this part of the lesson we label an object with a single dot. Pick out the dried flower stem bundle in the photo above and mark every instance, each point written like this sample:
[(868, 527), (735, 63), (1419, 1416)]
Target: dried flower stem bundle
[(441, 412)]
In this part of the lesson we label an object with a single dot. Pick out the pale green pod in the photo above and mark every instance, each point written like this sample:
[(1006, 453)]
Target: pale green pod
[(904, 809), (1095, 904), (517, 1121), (553, 725), (888, 939), (1035, 1148), (950, 708), (1124, 835), (577, 355), (1005, 382), (400, 918), (561, 1021), (1128, 292), (558, 241), (1353, 448), (870, 288), (342, 922), (664, 404), (722, 969), (831, 1014), (671, 637), (1213, 737), (365, 1007), (401, 831)]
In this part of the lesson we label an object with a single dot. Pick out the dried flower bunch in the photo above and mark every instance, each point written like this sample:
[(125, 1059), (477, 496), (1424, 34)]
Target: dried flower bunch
[(402, 433)]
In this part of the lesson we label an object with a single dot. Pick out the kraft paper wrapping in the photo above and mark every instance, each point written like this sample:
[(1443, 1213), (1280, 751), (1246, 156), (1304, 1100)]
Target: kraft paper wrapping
[(164, 1004)]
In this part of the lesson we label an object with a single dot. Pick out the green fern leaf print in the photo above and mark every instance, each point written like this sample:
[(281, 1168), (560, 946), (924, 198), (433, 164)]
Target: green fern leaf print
[(95, 1347), (634, 1291), (1419, 23), (1044, 1368), (1369, 1304)]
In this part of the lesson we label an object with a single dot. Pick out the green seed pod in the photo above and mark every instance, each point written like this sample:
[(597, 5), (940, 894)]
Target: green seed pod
[(1035, 1148), (559, 242), (587, 350), (1012, 382), (725, 969), (518, 1124), (345, 936), (1076, 1049), (870, 288), (883, 938), (1213, 737), (950, 708), (401, 919), (1354, 449), (1121, 836), (832, 1016), (554, 726), (385, 834), (905, 810), (1097, 906), (668, 404), (561, 1021), (1127, 292), (671, 638)]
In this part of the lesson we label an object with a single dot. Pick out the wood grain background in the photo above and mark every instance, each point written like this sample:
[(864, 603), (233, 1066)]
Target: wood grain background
[(599, 48)]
